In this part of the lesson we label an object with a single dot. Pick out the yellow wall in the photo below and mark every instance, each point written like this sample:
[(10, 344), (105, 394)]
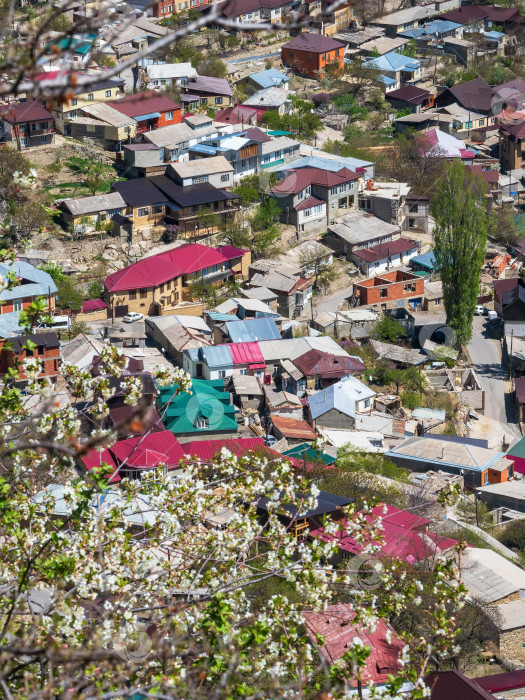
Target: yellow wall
[(60, 110)]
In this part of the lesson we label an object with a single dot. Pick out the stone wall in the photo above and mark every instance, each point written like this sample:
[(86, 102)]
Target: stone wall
[(511, 643)]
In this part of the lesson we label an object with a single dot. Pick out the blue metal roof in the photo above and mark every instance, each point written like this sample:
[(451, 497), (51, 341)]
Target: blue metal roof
[(250, 330), (438, 26), (217, 356), (269, 78), (386, 80), (493, 36), (34, 282), (143, 117), (201, 148), (342, 396), (9, 323), (393, 61), (331, 164), (217, 316)]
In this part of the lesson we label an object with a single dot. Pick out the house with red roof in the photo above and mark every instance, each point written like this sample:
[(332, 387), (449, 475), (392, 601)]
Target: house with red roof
[(26, 125), (239, 114), (313, 54), (385, 256), (149, 109), (405, 536), (159, 284), (93, 310), (310, 197), (338, 631), (318, 369)]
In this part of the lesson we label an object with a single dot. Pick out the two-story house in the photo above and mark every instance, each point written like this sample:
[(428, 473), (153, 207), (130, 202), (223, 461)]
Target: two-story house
[(271, 11), (101, 122), (26, 125), (272, 99), (32, 284), (161, 75), (216, 171), (310, 198), (47, 352), (310, 54), (175, 141), (393, 289), (100, 91), (149, 109), (157, 285), (242, 152), (395, 70), (511, 150), (206, 91)]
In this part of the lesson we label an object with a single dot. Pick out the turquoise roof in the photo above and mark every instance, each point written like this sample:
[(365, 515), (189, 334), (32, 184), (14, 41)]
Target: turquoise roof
[(304, 451), (393, 62), (269, 78)]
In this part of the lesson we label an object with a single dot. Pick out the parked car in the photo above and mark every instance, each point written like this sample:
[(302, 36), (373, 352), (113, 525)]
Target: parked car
[(132, 317), (481, 310)]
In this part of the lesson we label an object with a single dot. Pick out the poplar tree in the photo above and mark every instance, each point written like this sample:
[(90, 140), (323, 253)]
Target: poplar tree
[(460, 237)]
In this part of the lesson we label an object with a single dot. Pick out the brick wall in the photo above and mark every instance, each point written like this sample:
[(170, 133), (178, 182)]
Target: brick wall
[(300, 61), (8, 306), (371, 292)]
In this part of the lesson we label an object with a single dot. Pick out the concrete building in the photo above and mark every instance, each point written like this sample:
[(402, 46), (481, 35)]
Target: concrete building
[(337, 405)]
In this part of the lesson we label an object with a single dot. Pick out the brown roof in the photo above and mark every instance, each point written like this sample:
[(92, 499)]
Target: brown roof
[(464, 15), (385, 250), (319, 363), (474, 94), (24, 112), (409, 93), (517, 131), (449, 685), (300, 179), (235, 115), (489, 176), (315, 43), (143, 103), (292, 428)]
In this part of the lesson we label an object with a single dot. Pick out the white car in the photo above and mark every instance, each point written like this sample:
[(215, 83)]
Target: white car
[(480, 311), (132, 317)]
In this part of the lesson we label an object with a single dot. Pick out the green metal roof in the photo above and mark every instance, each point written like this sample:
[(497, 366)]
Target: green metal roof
[(518, 450), (304, 451), (279, 132)]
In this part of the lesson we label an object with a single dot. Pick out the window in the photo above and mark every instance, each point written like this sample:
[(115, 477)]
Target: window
[(204, 100), (43, 139), (163, 11), (383, 293), (158, 208), (43, 126), (195, 207), (337, 52), (170, 8), (215, 268), (342, 188), (199, 180), (132, 294), (222, 373), (291, 54), (318, 208), (74, 103), (323, 57), (333, 190), (366, 403), (482, 122), (108, 93), (17, 305), (201, 423), (243, 372), (225, 178), (308, 56), (143, 293), (143, 211), (275, 370), (72, 115), (91, 127), (90, 96), (307, 212), (169, 115), (218, 100), (23, 141)]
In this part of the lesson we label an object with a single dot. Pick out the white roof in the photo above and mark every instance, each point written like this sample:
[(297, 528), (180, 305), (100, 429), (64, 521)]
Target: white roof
[(511, 615), (202, 166), (235, 143), (488, 576), (343, 396), (292, 348), (192, 322), (355, 438), (108, 114), (252, 305), (358, 227), (178, 133), (165, 71)]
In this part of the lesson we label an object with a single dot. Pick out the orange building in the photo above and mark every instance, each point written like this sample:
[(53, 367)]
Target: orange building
[(391, 288), (149, 109), (310, 54)]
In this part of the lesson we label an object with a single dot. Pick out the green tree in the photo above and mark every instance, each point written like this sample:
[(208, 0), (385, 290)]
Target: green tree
[(352, 460), (265, 214), (54, 270), (12, 161), (388, 330), (77, 328), (410, 49), (95, 289), (315, 263), (514, 535), (460, 238), (97, 175), (69, 296)]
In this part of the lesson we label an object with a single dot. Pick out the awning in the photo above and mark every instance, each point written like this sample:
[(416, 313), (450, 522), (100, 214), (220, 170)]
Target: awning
[(190, 98), (261, 365), (143, 117)]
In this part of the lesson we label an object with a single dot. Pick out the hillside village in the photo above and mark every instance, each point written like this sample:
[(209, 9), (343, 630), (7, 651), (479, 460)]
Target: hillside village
[(273, 215)]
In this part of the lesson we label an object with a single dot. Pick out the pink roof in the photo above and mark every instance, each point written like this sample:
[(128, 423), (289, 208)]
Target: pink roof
[(95, 458), (335, 625), (93, 305), (20, 112), (246, 353), (143, 103), (207, 449), (149, 450), (239, 114), (154, 271), (435, 142), (299, 179), (385, 250), (405, 536)]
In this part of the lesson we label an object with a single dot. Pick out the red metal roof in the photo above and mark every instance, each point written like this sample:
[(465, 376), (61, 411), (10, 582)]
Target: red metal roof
[(308, 203), (154, 271), (299, 179), (501, 682), (409, 93), (319, 363), (338, 630), (246, 353), (487, 175), (143, 103), (95, 458), (149, 450), (314, 43), (385, 250), (239, 114), (449, 685), (93, 305), (207, 449), (405, 536), (20, 112)]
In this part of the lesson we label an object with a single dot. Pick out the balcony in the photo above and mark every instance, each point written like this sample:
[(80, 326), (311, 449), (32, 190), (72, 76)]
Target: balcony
[(26, 132)]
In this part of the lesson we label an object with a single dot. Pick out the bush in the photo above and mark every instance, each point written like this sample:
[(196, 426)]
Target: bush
[(410, 400), (514, 536)]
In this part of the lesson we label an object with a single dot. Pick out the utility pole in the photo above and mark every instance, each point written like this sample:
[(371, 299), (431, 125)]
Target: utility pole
[(510, 353)]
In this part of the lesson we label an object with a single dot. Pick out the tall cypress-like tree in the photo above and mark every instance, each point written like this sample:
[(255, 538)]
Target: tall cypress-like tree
[(460, 237)]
